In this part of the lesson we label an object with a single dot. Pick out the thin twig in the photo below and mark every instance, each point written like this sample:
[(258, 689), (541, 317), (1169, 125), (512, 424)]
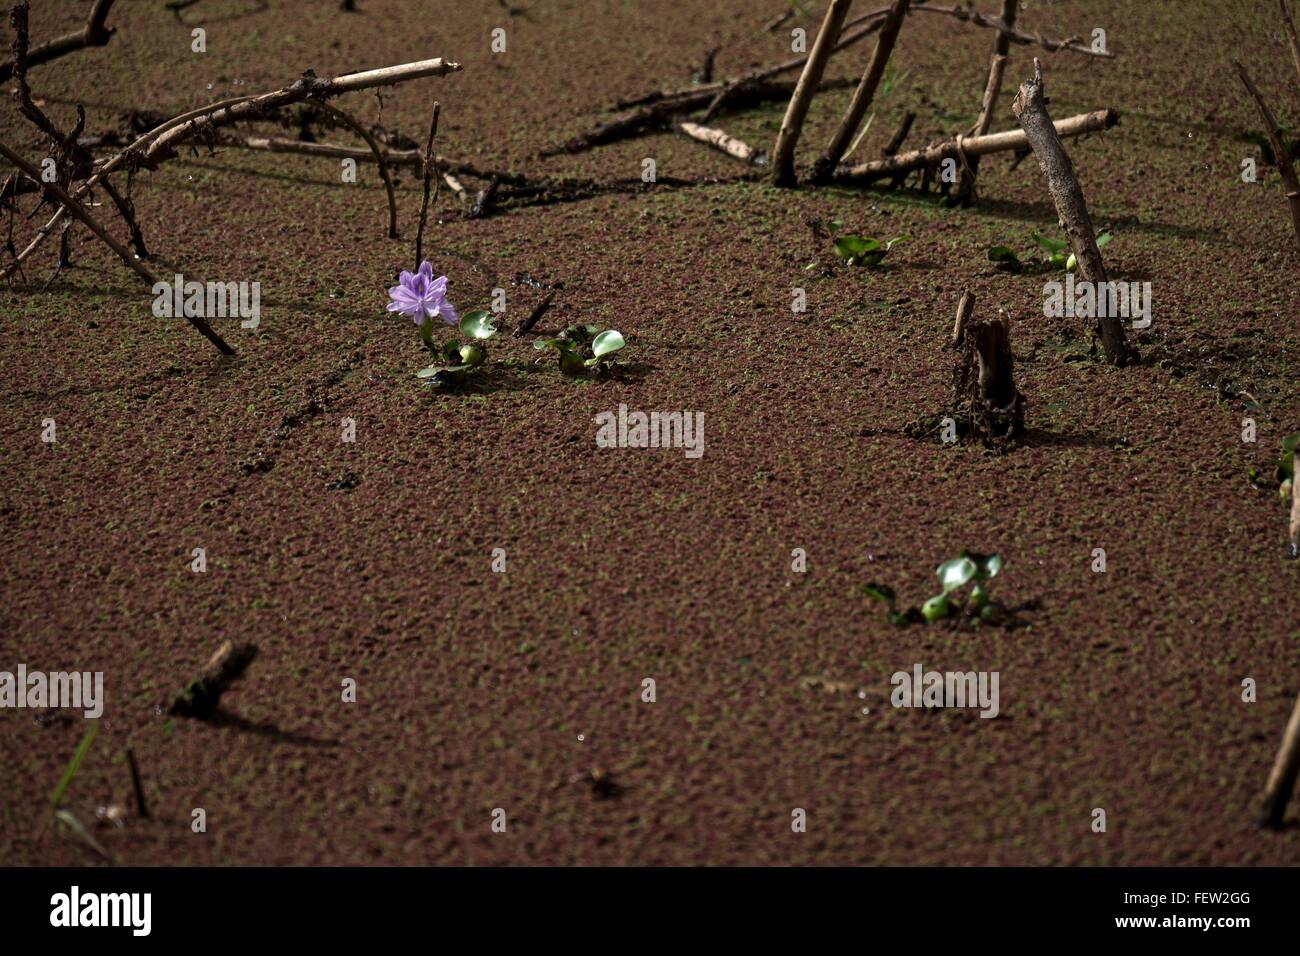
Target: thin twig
[(1285, 167), (79, 211), (94, 33), (428, 181)]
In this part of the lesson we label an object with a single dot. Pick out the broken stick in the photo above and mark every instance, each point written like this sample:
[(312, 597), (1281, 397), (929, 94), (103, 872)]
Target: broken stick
[(809, 80), (427, 179), (1285, 167), (199, 698), (1030, 108), (931, 156), (1289, 27), (1294, 549), (1282, 778), (720, 140), (94, 33), (76, 209), (997, 65), (863, 95)]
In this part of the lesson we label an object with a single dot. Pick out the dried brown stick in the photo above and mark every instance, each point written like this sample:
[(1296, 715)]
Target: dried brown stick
[(378, 154), (93, 33), (850, 33), (1013, 35), (539, 310), (863, 95), (199, 698), (394, 157), (141, 808), (1285, 168), (992, 88), (648, 117), (1294, 529), (308, 86), (428, 177), (964, 309), (722, 141), (150, 147), (900, 134), (484, 200), (933, 155), (1288, 26), (1030, 108), (76, 209), (797, 110), (1282, 777)]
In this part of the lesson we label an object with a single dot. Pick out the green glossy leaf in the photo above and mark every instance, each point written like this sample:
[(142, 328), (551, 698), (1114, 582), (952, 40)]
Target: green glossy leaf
[(1289, 443), (477, 325), (979, 596), (897, 241), (1104, 238), (880, 592), (956, 573), (986, 565), (607, 342), (1002, 254), (1053, 246), (936, 608), (854, 247)]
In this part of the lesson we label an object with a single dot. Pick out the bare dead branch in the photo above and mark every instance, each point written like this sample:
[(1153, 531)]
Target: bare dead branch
[(1282, 777), (94, 33), (428, 177), (863, 95), (378, 154), (1288, 26), (1007, 140), (721, 141), (76, 209), (797, 110), (967, 15), (1030, 108), (1285, 168)]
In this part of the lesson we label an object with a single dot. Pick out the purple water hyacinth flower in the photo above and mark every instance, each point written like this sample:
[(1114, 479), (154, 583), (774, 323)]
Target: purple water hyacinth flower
[(421, 296)]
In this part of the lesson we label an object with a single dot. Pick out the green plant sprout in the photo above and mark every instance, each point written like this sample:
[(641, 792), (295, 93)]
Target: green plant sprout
[(1284, 471), (585, 350), (976, 608), (459, 360), (865, 251), (1056, 257)]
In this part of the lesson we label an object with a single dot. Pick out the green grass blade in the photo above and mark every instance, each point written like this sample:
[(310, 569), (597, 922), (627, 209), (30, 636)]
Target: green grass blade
[(56, 797)]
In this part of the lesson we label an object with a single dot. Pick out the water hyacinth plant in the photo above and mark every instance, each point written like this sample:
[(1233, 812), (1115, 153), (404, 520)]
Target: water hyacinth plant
[(585, 350), (423, 298), (974, 609), (459, 360), (865, 251), (1284, 471), (1056, 256)]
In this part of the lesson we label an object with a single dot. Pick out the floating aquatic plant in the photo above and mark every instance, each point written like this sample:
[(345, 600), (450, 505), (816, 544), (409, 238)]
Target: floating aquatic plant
[(975, 608), (460, 359), (1057, 255), (865, 251), (585, 350)]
